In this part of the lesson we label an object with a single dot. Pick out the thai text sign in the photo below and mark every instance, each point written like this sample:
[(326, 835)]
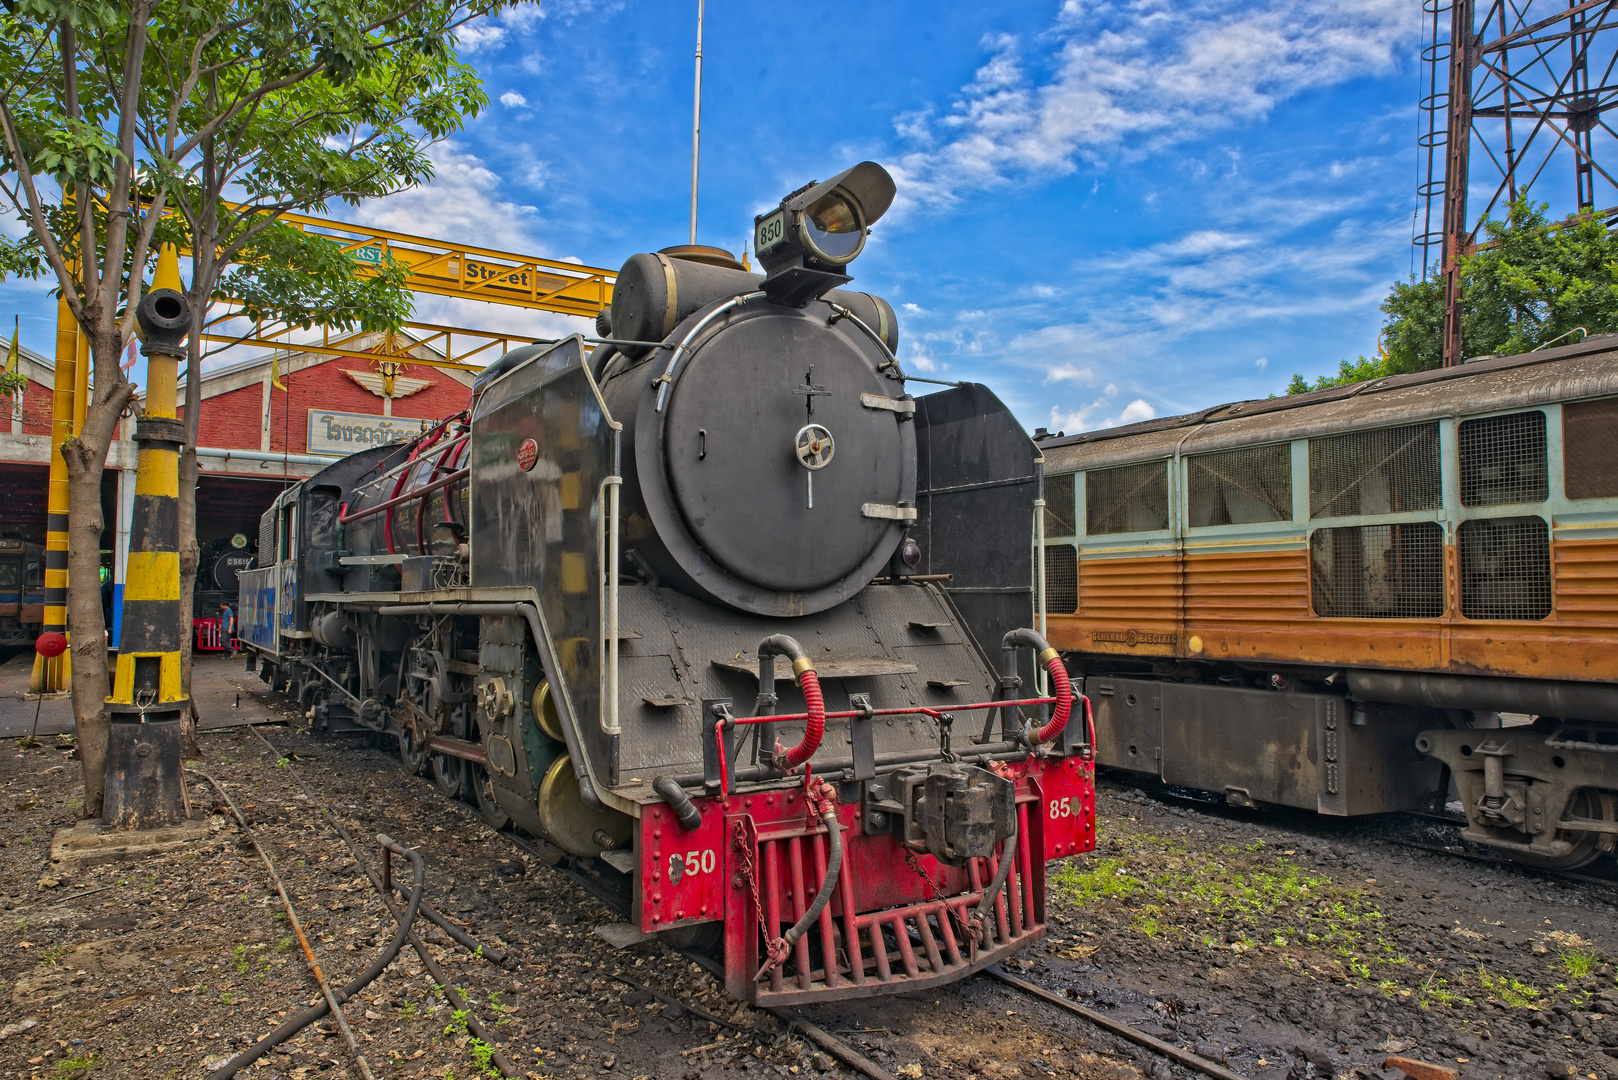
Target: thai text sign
[(338, 434)]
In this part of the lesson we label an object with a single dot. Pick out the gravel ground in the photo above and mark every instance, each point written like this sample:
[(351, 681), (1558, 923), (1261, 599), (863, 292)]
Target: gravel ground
[(1279, 944), (1287, 945)]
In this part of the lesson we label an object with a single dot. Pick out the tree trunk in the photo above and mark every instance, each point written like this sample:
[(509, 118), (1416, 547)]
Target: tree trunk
[(86, 457), (86, 625)]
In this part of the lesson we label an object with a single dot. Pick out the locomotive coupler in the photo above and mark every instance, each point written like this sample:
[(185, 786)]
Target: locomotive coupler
[(951, 811)]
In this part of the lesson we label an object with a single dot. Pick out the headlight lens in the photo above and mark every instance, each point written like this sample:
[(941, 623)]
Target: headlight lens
[(833, 226)]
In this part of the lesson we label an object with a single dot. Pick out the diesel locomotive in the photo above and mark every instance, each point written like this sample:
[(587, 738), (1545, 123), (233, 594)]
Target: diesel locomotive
[(1329, 600), (720, 614)]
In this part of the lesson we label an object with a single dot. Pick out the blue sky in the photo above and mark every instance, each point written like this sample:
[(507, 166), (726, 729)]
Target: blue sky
[(1107, 210)]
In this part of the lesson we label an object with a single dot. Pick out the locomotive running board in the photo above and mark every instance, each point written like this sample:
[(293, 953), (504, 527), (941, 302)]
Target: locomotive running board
[(867, 953)]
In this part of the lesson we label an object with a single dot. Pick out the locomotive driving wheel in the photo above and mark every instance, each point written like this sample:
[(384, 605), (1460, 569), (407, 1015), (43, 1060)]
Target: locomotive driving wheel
[(1588, 846), (451, 775), (489, 807)]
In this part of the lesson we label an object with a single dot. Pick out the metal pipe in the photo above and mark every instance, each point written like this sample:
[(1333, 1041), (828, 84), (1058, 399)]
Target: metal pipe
[(403, 465), (696, 126), (413, 493), (689, 816), (667, 378), (824, 768), (1039, 556), (261, 455), (1487, 693), (564, 707)]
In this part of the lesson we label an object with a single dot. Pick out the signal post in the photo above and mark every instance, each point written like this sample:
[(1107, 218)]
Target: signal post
[(144, 786)]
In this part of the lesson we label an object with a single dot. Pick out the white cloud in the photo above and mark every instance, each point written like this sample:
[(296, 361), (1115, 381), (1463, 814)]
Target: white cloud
[(479, 35), (1133, 78), (462, 203), (1262, 363), (1069, 373), (512, 100), (1135, 412)]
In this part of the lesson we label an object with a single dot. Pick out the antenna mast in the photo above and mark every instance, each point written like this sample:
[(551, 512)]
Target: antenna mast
[(696, 126)]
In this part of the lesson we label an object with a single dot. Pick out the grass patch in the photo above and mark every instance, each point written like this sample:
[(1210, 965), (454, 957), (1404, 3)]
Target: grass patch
[(1513, 992), (1578, 963), (1089, 880)]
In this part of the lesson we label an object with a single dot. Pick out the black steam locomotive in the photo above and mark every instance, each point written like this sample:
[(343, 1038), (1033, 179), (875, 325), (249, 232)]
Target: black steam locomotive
[(568, 605)]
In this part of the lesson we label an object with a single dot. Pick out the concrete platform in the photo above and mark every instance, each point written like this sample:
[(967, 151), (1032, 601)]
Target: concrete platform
[(226, 694)]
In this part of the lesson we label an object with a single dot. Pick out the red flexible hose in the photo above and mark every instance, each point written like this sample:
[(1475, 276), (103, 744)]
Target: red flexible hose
[(1062, 691), (814, 728)]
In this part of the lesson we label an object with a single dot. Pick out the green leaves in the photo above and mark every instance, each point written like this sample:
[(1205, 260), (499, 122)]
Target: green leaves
[(287, 275), (1531, 282), (225, 113)]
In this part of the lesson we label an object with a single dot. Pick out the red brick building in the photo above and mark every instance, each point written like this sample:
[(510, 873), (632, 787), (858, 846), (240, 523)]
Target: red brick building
[(266, 422)]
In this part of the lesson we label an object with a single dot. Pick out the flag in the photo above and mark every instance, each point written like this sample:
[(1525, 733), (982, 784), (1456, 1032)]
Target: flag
[(275, 372), (13, 362), (130, 354)]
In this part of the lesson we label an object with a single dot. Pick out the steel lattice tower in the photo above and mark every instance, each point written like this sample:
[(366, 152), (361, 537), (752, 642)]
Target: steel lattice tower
[(1513, 101)]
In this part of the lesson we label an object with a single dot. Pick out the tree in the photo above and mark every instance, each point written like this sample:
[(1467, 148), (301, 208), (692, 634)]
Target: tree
[(115, 113), (1531, 282)]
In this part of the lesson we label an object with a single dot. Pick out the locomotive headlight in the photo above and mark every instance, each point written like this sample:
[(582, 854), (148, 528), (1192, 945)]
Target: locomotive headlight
[(833, 228), (805, 243)]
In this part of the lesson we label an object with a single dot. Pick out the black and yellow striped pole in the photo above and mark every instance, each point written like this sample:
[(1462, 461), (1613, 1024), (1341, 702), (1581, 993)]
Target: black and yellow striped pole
[(53, 674), (144, 784)]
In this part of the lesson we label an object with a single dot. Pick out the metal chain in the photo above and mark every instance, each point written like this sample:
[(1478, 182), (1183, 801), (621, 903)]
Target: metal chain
[(738, 841), (934, 892)]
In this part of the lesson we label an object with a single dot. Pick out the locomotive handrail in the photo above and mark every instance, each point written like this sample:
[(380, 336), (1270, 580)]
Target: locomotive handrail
[(413, 493), (667, 378), (397, 469)]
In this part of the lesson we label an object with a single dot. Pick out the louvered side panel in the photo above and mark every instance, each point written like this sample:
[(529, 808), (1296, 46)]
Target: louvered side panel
[(1586, 581), (1248, 588), (1126, 605)]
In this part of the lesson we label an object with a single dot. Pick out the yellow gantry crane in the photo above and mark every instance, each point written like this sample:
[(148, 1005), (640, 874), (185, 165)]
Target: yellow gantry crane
[(438, 267)]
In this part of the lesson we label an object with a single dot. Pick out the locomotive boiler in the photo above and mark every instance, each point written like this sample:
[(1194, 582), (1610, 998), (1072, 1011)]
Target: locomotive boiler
[(719, 613)]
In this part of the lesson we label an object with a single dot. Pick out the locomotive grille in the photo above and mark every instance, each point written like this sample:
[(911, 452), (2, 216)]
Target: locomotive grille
[(266, 538), (1061, 579), (1238, 487), (1060, 508), (1386, 471), (1129, 498), (1590, 449), (1378, 571), (1503, 460), (1505, 568)]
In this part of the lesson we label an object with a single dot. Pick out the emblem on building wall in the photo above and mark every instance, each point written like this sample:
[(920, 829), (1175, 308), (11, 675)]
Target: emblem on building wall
[(377, 383)]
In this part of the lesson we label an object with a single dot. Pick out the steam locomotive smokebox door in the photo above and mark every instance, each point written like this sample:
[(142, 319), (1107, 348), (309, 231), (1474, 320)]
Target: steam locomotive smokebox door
[(775, 471)]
